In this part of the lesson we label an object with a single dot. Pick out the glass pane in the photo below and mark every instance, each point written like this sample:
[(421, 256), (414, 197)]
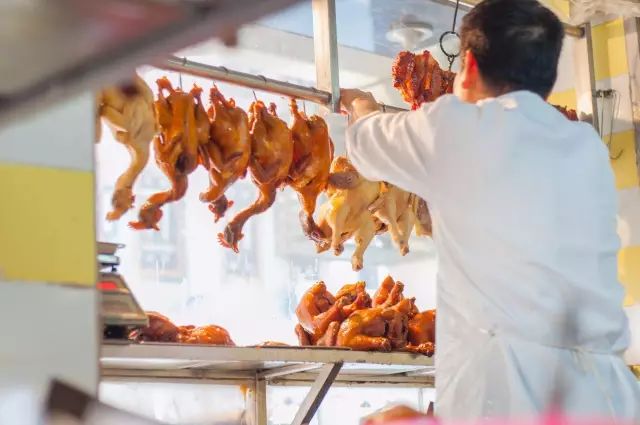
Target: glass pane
[(372, 32), (178, 403)]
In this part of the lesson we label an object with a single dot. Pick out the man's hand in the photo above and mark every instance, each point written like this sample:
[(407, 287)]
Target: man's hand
[(357, 103)]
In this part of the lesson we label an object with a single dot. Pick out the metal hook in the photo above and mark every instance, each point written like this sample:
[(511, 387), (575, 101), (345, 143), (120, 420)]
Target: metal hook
[(384, 107), (304, 107), (450, 56), (255, 97)]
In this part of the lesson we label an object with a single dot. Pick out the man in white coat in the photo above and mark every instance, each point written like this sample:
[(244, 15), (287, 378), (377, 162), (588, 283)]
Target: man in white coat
[(524, 209)]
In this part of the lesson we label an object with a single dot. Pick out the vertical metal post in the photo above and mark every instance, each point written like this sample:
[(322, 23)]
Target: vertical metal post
[(592, 77), (632, 42), (256, 405), (325, 47)]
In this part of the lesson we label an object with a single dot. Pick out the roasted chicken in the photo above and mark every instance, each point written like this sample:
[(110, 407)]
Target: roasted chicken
[(271, 156), (129, 111), (209, 334), (366, 330), (159, 329), (395, 414), (420, 78), (389, 293), (316, 311), (355, 298), (227, 154), (398, 325), (347, 214), (571, 114), (422, 328), (309, 173), (184, 127)]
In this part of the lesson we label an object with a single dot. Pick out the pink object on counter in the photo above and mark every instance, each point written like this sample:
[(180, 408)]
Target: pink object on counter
[(548, 420)]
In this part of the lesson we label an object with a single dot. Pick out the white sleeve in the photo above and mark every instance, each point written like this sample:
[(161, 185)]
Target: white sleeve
[(402, 148)]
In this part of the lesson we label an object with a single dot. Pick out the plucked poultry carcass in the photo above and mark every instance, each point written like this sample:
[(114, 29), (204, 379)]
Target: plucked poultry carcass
[(271, 156), (184, 127), (208, 334), (395, 208), (346, 214), (227, 154), (423, 225), (309, 173), (130, 113), (420, 78)]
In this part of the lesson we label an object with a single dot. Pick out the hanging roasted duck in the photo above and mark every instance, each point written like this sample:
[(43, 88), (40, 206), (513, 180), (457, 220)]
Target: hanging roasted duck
[(271, 156), (226, 155), (309, 173), (129, 111), (184, 128)]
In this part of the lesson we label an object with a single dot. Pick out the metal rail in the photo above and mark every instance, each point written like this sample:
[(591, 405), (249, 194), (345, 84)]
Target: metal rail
[(257, 82), (570, 30)]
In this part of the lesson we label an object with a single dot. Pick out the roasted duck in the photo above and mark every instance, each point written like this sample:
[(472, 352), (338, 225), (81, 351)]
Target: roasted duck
[(309, 173), (347, 214), (271, 156), (184, 127), (420, 78), (227, 154), (129, 111)]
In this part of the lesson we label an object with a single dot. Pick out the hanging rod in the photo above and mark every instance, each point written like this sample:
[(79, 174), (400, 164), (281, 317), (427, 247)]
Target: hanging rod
[(257, 82)]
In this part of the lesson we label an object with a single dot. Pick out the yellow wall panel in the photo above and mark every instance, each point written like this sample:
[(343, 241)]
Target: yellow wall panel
[(561, 7), (610, 55), (47, 225), (625, 167), (629, 270), (567, 98)]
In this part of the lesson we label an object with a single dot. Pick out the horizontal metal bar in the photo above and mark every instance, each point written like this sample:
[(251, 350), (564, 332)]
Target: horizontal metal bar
[(570, 30), (257, 82), (286, 370)]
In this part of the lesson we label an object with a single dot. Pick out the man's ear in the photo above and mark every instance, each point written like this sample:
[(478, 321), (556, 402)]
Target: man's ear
[(471, 71)]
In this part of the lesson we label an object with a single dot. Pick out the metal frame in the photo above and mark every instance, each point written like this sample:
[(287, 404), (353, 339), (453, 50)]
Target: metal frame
[(258, 367)]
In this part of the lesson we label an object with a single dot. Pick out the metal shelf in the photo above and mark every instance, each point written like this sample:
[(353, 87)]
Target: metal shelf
[(175, 361), (257, 367)]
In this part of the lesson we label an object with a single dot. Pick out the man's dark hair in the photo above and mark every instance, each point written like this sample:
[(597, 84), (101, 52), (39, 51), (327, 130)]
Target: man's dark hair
[(517, 44)]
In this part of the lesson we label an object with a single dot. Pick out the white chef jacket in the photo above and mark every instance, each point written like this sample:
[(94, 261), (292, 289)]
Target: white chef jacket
[(524, 209)]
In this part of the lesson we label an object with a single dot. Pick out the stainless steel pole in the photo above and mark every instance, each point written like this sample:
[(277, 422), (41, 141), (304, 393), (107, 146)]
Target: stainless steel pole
[(257, 82), (325, 47)]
